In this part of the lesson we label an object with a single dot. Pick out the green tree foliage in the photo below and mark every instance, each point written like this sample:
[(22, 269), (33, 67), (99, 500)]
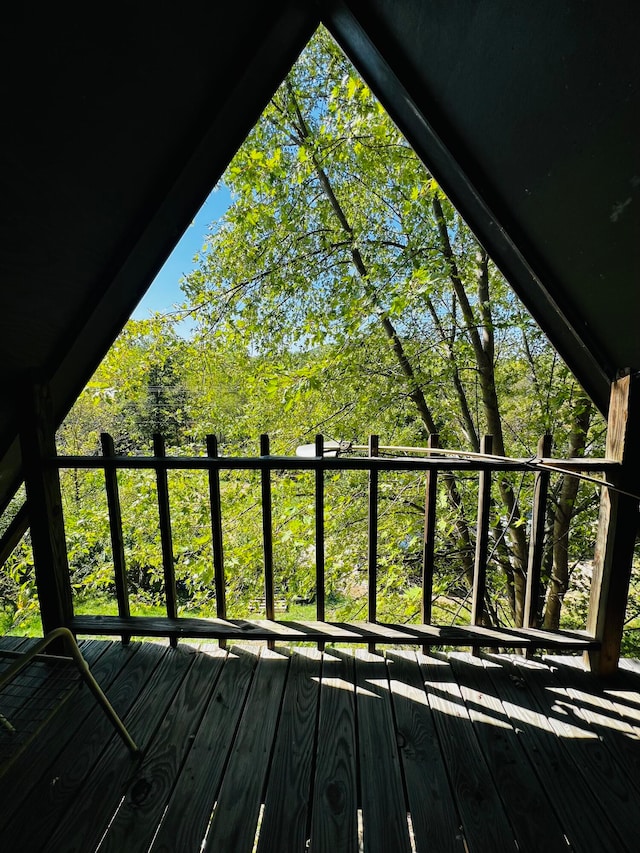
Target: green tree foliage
[(340, 294), (341, 244)]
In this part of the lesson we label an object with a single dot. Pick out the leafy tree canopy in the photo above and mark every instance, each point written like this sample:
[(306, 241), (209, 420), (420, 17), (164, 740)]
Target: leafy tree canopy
[(341, 294)]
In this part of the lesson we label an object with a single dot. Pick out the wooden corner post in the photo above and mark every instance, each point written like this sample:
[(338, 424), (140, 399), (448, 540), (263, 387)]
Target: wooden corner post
[(44, 502), (617, 527)]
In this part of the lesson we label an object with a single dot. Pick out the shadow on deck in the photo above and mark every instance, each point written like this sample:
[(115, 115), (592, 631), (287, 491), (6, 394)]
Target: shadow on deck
[(293, 750)]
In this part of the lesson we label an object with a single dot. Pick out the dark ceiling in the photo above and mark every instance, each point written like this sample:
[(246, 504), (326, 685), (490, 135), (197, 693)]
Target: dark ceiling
[(118, 124)]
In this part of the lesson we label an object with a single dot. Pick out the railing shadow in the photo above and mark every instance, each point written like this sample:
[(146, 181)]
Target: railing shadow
[(248, 748)]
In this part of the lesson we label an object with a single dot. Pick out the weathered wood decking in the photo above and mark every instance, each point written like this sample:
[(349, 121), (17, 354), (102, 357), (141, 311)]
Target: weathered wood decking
[(289, 750)]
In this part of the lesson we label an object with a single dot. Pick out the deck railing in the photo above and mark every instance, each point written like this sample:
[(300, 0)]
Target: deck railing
[(431, 462)]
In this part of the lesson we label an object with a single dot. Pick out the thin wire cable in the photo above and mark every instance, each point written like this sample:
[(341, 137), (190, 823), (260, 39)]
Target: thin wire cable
[(535, 463)]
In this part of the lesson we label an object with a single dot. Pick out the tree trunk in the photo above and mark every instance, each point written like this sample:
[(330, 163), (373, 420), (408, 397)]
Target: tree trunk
[(461, 532), (559, 582), (481, 337)]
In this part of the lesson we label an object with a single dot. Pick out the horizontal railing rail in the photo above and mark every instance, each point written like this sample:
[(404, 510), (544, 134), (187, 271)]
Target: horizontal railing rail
[(360, 463), (430, 461)]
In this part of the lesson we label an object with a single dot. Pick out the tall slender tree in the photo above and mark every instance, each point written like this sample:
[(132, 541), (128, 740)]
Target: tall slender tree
[(339, 241)]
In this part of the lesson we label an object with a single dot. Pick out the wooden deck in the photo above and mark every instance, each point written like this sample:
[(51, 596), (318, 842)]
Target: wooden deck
[(293, 750)]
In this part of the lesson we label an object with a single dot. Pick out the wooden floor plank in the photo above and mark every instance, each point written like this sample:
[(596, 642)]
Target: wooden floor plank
[(594, 761), (434, 817), (496, 748), (199, 782), (514, 777), (620, 692), (93, 651), (54, 766), (97, 800), (630, 664), (334, 819), (616, 723), (285, 823), (31, 697), (624, 691), (384, 811), (235, 818), (12, 643), (149, 789), (486, 826), (584, 822), (34, 697)]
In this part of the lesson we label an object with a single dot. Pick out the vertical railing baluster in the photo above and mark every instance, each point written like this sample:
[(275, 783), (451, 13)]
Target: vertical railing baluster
[(482, 537), (216, 534), (536, 540), (428, 548), (372, 544), (166, 540), (115, 529), (267, 534), (319, 502)]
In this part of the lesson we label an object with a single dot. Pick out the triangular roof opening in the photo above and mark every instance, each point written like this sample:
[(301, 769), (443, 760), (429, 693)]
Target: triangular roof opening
[(110, 160), (342, 274), (391, 263), (338, 234)]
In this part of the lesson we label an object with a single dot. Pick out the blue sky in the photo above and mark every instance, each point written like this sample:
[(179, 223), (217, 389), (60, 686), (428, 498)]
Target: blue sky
[(164, 291)]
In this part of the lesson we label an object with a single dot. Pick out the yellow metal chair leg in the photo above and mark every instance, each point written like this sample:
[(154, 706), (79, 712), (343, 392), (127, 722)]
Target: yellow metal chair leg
[(75, 653)]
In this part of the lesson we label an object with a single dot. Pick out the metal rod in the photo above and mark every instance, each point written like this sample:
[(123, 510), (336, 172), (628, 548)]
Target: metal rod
[(69, 641)]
